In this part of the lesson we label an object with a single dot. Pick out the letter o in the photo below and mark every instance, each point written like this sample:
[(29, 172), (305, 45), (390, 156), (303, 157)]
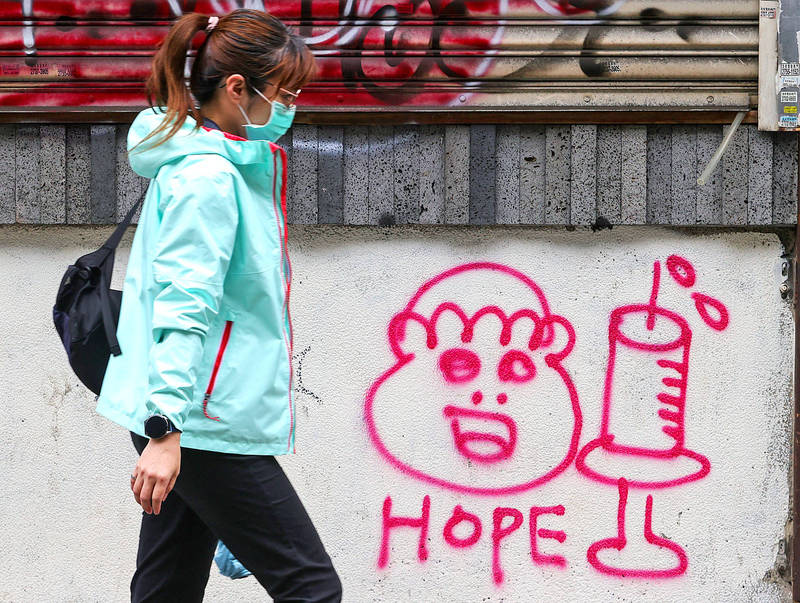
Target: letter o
[(459, 515)]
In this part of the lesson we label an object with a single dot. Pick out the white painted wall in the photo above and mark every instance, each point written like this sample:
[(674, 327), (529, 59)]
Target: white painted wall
[(69, 523)]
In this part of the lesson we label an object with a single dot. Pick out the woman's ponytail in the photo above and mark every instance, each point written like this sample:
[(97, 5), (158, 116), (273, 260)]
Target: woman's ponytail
[(166, 84)]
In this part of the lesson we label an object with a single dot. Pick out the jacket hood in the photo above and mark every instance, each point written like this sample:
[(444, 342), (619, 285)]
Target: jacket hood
[(148, 158)]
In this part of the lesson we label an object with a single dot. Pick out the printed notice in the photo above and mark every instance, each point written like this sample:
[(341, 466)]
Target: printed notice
[(769, 13), (788, 96), (787, 121), (790, 109)]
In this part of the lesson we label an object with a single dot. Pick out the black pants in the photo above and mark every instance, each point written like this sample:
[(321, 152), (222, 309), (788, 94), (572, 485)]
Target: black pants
[(247, 502)]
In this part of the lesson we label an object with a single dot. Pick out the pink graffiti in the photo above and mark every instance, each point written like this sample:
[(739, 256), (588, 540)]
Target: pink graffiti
[(458, 355), (502, 529), (620, 541), (681, 271), (665, 431), (651, 307), (500, 532), (459, 516), (558, 535), (645, 446), (480, 435), (505, 444), (516, 367), (661, 350), (459, 366), (390, 522), (702, 302)]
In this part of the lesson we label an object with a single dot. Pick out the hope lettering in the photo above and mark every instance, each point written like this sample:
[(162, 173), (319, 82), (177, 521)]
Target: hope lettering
[(501, 529)]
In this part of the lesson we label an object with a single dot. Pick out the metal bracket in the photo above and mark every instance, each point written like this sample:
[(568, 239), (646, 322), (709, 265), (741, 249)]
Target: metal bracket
[(787, 286)]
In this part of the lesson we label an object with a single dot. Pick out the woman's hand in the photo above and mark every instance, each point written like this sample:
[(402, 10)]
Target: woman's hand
[(156, 472)]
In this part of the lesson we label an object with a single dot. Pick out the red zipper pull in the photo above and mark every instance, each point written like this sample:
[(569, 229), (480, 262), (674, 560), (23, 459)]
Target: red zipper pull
[(206, 398)]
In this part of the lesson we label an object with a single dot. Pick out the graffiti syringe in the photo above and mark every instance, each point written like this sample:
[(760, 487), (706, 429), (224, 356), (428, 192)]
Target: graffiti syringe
[(642, 434)]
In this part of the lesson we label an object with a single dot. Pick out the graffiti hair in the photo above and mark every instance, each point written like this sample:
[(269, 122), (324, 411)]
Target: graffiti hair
[(249, 42)]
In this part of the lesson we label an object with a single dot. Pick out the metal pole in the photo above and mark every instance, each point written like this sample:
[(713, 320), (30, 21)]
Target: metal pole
[(712, 165), (795, 548)]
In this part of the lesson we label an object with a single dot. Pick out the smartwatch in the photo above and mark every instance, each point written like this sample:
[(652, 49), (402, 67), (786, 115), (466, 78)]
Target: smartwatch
[(157, 426)]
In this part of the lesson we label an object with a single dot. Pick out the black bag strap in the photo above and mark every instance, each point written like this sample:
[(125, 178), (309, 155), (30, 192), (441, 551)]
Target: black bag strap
[(109, 325), (116, 236)]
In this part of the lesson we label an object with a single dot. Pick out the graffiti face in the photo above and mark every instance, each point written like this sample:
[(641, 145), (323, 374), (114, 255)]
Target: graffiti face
[(478, 400)]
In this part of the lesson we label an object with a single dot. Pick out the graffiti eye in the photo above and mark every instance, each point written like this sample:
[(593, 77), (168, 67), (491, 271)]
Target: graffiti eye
[(459, 365), (516, 367)]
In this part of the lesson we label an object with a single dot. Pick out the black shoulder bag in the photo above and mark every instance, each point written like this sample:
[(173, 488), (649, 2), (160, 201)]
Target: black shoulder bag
[(87, 310)]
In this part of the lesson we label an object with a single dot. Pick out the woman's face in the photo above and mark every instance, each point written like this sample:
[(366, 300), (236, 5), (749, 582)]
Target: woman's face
[(235, 91)]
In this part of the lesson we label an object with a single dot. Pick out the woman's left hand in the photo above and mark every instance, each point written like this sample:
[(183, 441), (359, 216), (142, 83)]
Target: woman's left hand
[(156, 471)]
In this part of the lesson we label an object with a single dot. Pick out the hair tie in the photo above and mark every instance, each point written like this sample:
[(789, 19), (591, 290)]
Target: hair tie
[(212, 23)]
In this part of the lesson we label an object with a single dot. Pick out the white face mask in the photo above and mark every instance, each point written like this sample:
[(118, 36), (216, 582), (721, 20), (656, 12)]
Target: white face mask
[(280, 120)]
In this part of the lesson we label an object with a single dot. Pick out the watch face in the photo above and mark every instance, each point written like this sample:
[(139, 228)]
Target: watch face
[(155, 426)]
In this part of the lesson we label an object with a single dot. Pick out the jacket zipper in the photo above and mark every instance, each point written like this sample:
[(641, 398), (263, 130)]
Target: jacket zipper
[(222, 345), (286, 272)]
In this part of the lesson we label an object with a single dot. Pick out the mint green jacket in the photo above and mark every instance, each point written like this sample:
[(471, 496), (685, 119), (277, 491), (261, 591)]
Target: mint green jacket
[(204, 325)]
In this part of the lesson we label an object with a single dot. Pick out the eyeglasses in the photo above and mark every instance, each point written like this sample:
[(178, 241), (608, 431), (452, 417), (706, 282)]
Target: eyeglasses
[(284, 96)]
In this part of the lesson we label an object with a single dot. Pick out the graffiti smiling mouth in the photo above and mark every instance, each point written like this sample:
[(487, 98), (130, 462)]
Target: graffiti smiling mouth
[(487, 445)]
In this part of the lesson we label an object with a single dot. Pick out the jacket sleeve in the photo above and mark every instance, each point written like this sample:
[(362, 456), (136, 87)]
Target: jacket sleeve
[(191, 257)]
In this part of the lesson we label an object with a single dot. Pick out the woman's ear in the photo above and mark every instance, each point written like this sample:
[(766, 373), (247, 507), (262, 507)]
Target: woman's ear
[(555, 337), (235, 88), (410, 333)]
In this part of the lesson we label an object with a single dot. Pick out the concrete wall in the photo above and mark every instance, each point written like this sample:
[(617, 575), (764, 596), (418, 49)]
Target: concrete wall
[(480, 174), (710, 457)]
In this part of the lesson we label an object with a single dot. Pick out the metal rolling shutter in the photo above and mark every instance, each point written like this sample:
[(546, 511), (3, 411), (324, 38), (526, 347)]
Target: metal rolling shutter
[(442, 56)]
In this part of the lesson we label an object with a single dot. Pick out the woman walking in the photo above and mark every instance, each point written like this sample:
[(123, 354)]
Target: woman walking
[(204, 382)]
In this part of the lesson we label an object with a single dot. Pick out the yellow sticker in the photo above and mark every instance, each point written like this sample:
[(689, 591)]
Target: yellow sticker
[(790, 109)]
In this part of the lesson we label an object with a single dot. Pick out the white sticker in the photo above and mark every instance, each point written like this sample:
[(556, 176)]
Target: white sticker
[(788, 97), (611, 65), (789, 81), (769, 13), (790, 69), (787, 121)]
